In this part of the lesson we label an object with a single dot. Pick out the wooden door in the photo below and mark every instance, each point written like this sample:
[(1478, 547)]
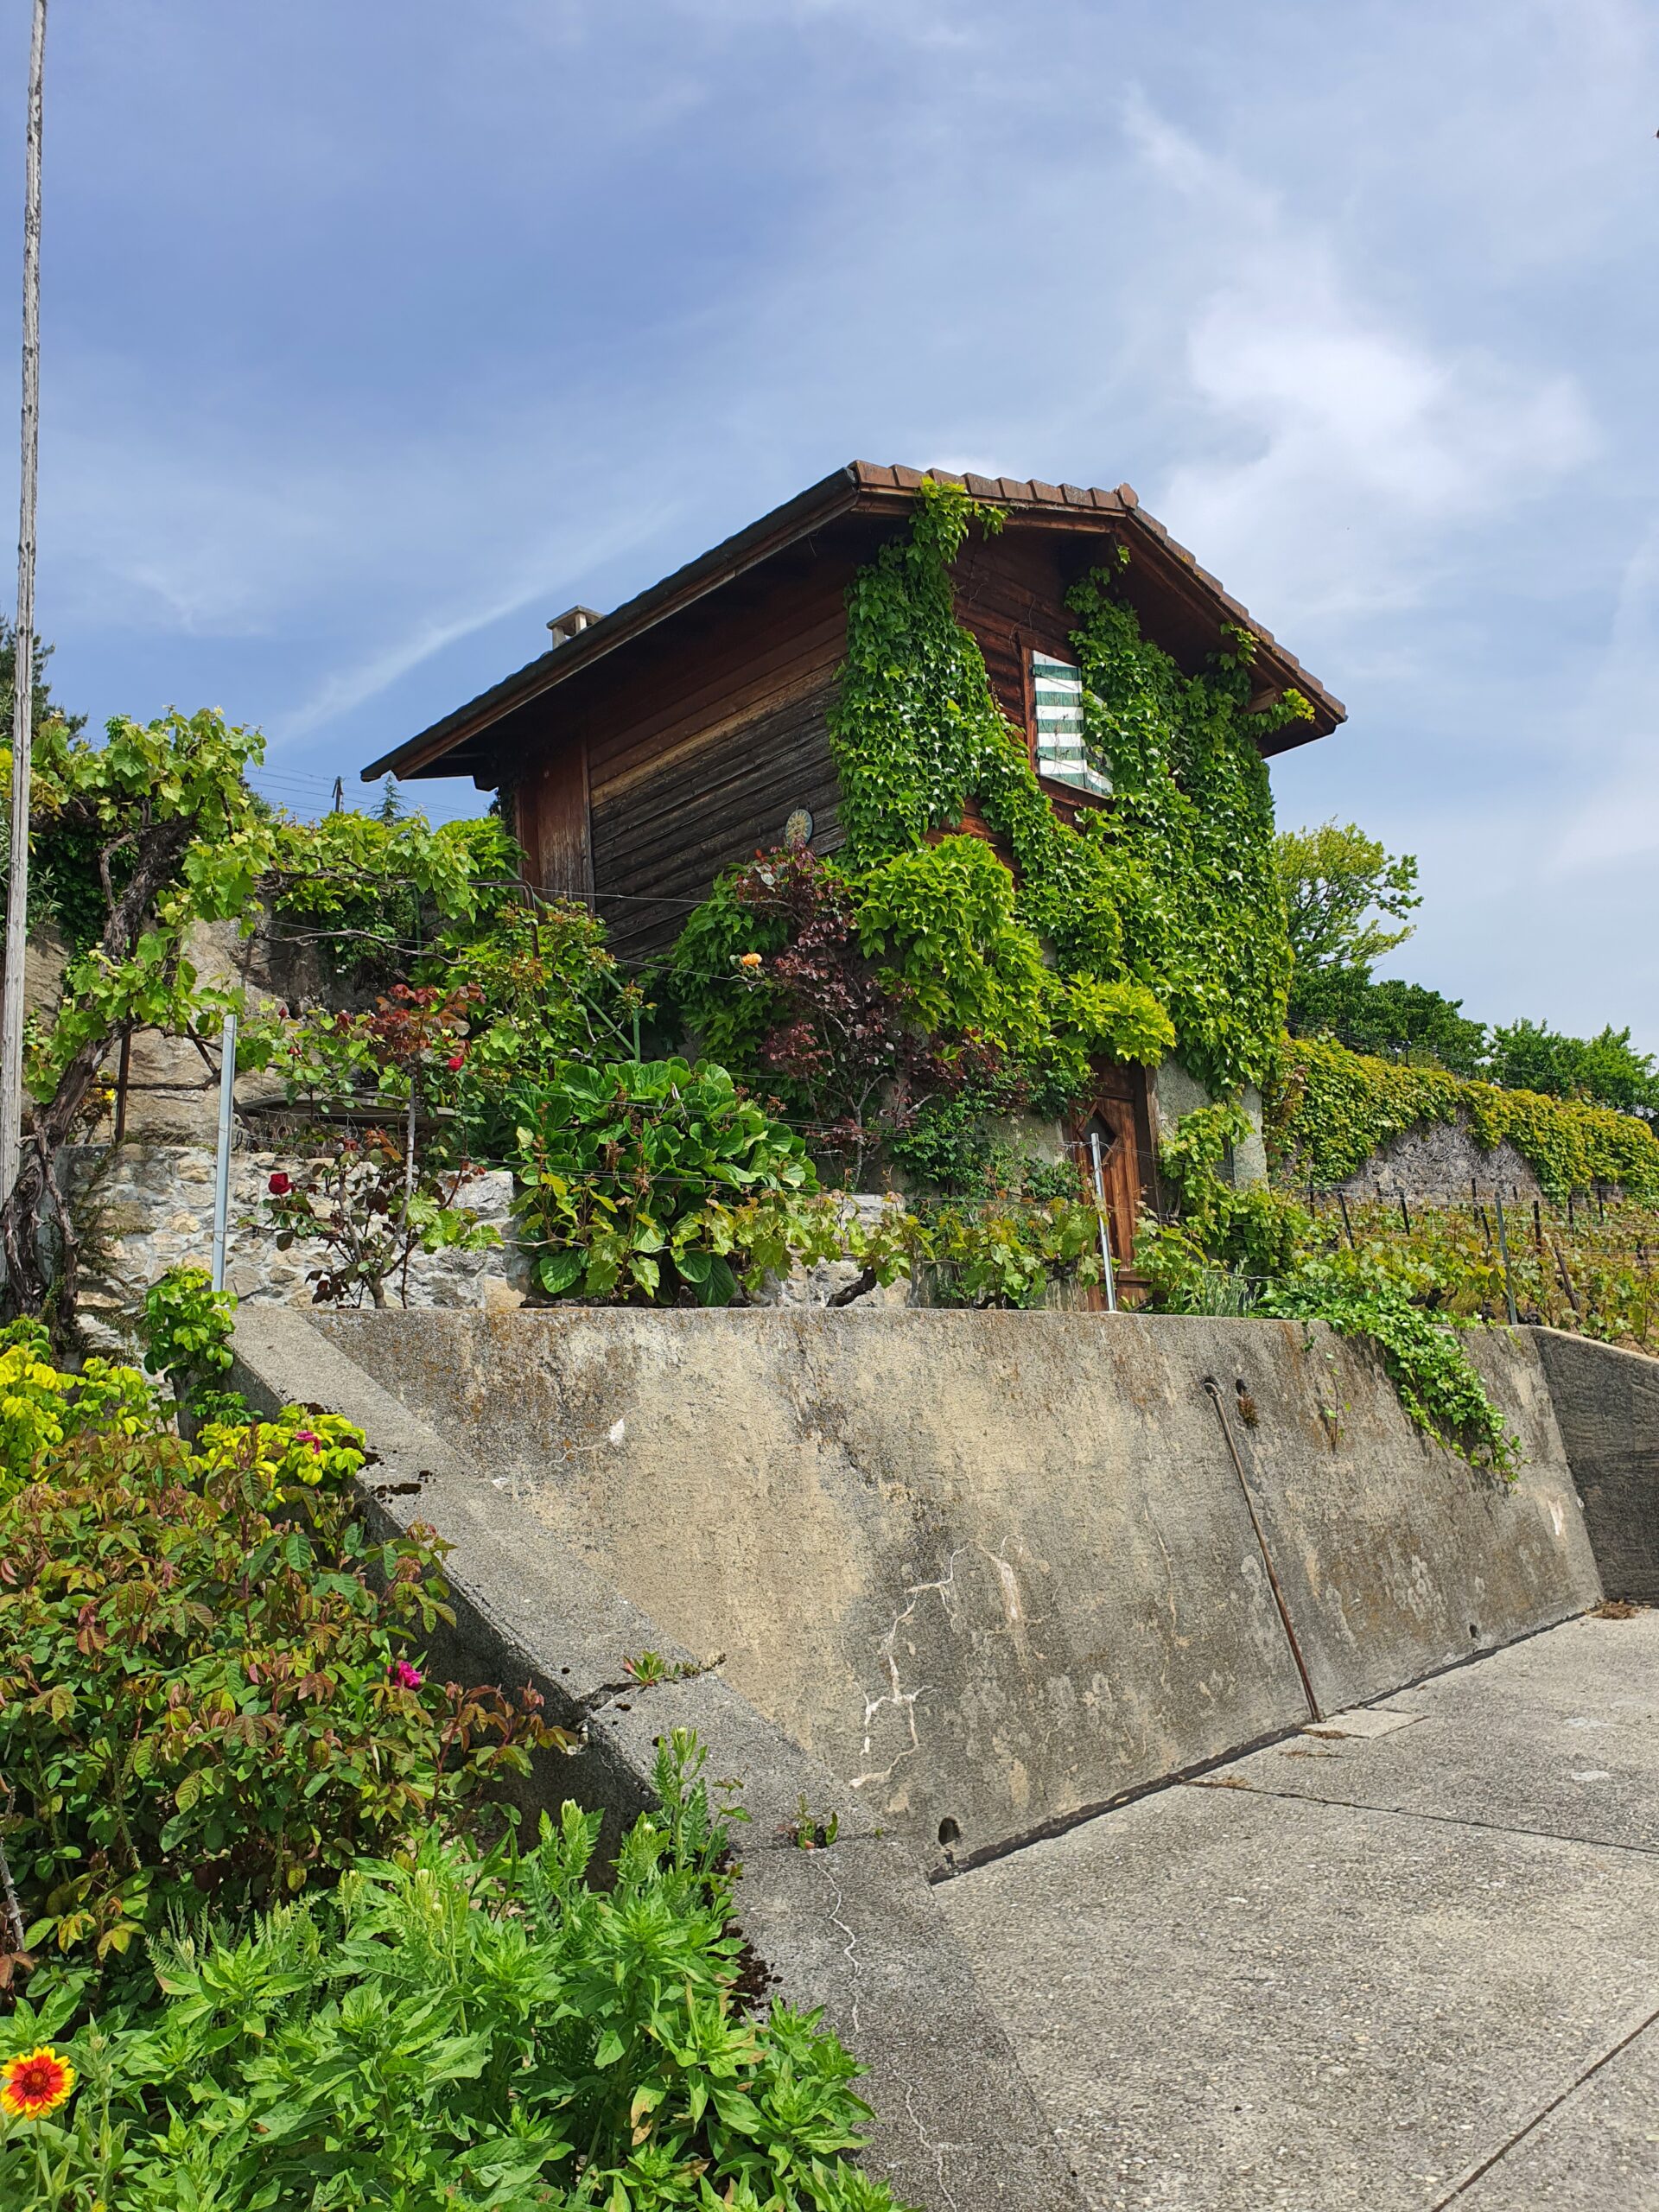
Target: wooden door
[(552, 821), (1118, 1114)]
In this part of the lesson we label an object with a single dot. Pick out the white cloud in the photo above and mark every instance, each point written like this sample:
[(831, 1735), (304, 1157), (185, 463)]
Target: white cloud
[(1344, 445)]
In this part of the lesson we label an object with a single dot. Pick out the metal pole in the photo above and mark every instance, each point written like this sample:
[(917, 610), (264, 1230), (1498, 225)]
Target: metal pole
[(222, 1164), (1503, 1247), (22, 712), (1101, 1217)]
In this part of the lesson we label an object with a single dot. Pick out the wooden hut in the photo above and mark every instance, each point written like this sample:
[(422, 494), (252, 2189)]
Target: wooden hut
[(650, 748)]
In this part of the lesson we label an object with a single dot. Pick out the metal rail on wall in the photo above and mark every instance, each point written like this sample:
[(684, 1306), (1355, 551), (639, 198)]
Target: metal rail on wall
[(1103, 1219), (222, 1164)]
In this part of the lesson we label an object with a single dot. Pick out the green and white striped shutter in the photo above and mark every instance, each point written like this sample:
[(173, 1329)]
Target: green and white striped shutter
[(1056, 687)]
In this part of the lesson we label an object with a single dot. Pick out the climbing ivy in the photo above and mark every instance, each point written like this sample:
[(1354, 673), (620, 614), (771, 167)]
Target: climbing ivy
[(1332, 1111), (1189, 834), (1257, 1251), (1169, 895)]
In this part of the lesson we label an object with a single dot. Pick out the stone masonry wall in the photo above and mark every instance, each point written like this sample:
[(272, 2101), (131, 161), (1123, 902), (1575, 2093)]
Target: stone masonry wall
[(144, 1208)]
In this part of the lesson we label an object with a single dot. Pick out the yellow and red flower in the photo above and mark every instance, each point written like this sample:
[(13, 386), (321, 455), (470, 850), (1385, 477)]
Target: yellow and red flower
[(35, 2084)]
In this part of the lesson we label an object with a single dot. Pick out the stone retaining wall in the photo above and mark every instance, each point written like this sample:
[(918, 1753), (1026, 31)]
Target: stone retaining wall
[(144, 1208)]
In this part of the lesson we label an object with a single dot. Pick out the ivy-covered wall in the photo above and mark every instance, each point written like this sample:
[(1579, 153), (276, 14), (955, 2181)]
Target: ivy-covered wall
[(1332, 1111), (1152, 927)]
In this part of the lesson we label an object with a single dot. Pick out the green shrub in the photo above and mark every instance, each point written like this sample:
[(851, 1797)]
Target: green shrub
[(205, 1685), (1361, 1295), (186, 1329), (45, 1410), (1006, 1252), (452, 2030), (653, 1178)]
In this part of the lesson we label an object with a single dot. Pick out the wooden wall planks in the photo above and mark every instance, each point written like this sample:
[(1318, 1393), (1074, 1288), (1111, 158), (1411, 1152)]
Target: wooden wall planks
[(659, 844)]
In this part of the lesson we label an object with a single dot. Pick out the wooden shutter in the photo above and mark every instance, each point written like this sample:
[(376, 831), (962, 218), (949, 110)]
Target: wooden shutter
[(1057, 696)]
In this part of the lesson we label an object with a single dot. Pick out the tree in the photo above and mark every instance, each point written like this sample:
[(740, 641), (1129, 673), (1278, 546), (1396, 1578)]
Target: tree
[(43, 707), (146, 834), (1342, 890), (1530, 1056), (165, 815), (1395, 1020)]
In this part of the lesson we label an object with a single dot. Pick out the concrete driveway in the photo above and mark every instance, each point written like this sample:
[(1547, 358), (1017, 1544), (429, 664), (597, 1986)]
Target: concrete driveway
[(1412, 1966)]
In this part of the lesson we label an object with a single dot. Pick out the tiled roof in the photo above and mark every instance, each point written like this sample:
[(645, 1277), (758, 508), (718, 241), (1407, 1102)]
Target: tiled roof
[(861, 485), (1124, 505)]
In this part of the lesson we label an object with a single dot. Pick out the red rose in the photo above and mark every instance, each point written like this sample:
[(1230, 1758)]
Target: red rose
[(280, 1185), (455, 1063)]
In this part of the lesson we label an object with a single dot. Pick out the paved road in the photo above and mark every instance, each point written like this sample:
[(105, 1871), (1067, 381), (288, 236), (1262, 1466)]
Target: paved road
[(1413, 1967)]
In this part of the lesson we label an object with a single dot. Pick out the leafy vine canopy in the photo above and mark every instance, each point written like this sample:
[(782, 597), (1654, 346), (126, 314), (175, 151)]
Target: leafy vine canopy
[(1154, 924)]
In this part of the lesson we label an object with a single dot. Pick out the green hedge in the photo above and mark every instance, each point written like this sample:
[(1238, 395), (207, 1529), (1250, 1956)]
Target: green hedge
[(1332, 1111)]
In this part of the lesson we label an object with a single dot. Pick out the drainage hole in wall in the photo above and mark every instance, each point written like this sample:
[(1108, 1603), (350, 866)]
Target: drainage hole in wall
[(949, 1832), (1473, 1630)]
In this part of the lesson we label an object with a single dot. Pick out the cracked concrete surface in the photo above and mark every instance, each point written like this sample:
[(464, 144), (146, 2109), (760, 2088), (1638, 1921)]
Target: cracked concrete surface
[(1412, 1970)]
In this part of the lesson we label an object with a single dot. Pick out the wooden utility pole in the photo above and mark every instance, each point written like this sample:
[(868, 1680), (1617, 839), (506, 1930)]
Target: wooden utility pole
[(23, 717)]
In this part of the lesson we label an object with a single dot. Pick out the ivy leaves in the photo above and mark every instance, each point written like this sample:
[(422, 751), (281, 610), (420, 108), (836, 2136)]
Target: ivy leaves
[(1334, 1109), (1171, 891)]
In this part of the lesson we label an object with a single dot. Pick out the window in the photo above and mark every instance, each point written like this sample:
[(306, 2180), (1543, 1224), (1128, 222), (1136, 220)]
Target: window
[(1057, 692)]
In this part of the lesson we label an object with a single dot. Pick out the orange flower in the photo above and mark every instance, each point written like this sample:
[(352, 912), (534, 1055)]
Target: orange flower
[(35, 2084), (750, 960)]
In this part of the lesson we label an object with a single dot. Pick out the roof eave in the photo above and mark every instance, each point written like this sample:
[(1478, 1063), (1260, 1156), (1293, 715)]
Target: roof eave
[(865, 488), (832, 495)]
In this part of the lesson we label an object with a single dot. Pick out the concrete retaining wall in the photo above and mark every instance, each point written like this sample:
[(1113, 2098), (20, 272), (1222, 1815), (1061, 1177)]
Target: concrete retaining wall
[(995, 1569), (1607, 1407), (961, 1577)]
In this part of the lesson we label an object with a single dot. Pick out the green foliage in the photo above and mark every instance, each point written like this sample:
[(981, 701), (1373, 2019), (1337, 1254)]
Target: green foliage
[(1530, 1056), (452, 2030), (914, 721), (187, 1329), (653, 1179), (1253, 1229), (375, 891), (1005, 1252), (1187, 845), (1233, 1251), (1360, 1294), (1590, 1268), (1396, 1021), (203, 1692), (543, 990), (171, 790), (64, 891), (1334, 1109), (1342, 889), (45, 1411)]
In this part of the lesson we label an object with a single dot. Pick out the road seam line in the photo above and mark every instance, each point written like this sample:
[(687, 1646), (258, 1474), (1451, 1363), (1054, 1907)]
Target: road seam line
[(1409, 1812), (1539, 2117)]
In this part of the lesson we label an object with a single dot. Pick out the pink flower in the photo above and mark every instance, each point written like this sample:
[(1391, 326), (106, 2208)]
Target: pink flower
[(405, 1676), (280, 1185), (308, 1436)]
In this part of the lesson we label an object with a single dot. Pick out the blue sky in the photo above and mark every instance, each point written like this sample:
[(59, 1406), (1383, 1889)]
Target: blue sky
[(376, 334)]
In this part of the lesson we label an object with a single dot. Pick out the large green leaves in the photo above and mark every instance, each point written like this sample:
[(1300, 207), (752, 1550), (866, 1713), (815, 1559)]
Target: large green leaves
[(648, 1179)]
